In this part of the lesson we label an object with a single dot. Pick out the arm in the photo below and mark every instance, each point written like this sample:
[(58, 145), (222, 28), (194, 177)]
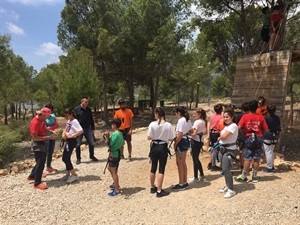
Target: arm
[(92, 121), (131, 126), (225, 135), (75, 135), (177, 140), (35, 137)]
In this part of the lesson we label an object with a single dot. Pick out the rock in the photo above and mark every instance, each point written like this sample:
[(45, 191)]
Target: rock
[(21, 166), (3, 172), (14, 168), (12, 173), (26, 166), (296, 165)]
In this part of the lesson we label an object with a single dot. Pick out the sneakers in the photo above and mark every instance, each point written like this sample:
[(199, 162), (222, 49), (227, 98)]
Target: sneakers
[(112, 187), (93, 158), (153, 190), (30, 178), (255, 179), (202, 178), (215, 168), (114, 193), (162, 193), (223, 189), (51, 170), (240, 178), (41, 186), (194, 180), (78, 161), (65, 177), (129, 159), (72, 178), (179, 187), (209, 166), (229, 194), (267, 170)]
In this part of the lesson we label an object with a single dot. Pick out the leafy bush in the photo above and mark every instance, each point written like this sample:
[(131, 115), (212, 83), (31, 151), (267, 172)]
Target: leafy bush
[(8, 148), (21, 128)]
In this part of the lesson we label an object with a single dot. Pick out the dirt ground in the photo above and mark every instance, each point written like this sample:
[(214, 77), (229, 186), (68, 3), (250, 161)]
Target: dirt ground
[(273, 200)]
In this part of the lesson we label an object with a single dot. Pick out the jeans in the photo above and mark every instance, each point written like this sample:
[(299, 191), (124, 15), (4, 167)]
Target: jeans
[(50, 144), (196, 147), (227, 160), (66, 158), (88, 134), (37, 171)]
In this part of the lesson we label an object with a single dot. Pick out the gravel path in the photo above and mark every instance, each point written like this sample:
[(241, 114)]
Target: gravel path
[(273, 200)]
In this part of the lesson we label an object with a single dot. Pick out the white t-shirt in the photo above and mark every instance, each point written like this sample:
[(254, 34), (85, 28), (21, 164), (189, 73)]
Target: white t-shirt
[(200, 126), (183, 126), (233, 129), (162, 131), (72, 127)]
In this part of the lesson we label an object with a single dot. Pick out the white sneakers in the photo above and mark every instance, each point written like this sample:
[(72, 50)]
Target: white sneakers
[(194, 180), (72, 178), (223, 189), (228, 193)]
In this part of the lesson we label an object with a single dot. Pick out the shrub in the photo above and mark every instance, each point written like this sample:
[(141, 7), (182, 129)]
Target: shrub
[(21, 127), (8, 148)]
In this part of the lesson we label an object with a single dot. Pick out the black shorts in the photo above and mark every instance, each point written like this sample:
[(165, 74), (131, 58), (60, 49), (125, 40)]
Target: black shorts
[(126, 136), (113, 162), (265, 34)]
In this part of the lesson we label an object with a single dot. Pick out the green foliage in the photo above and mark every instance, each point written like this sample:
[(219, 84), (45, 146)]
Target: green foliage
[(21, 129), (8, 148)]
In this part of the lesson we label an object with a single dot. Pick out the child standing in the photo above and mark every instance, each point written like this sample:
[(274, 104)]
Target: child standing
[(70, 134), (115, 142)]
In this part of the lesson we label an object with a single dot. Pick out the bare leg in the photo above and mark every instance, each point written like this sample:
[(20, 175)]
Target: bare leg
[(115, 177), (160, 179), (152, 179)]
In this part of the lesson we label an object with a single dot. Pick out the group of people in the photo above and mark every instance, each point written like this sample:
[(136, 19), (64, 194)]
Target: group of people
[(271, 29), (230, 134), (80, 123)]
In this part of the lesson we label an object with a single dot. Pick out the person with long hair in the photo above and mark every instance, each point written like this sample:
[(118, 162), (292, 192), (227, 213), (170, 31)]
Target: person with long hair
[(199, 130), (70, 134), (227, 140), (181, 145), (160, 133)]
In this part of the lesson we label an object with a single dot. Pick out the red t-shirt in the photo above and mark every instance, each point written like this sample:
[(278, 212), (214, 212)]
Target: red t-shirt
[(214, 121), (37, 127), (276, 18), (253, 122)]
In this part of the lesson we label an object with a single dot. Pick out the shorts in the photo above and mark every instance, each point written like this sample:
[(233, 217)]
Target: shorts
[(250, 154), (126, 136), (183, 144), (113, 162), (265, 34), (213, 136)]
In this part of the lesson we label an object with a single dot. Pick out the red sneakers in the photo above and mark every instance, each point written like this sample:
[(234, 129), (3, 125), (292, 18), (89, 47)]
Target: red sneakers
[(41, 186), (51, 170)]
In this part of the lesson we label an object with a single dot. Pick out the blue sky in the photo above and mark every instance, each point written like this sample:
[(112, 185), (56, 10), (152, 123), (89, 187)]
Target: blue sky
[(32, 25)]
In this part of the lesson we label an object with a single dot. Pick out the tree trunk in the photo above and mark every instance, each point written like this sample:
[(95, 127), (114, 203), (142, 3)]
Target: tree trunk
[(105, 90), (130, 88), (5, 115)]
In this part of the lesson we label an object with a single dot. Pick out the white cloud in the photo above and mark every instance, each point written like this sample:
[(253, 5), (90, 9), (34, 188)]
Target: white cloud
[(36, 2), (15, 29), (10, 14), (49, 49)]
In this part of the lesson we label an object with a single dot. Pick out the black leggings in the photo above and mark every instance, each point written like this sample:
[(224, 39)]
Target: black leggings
[(196, 147), (159, 154), (69, 147)]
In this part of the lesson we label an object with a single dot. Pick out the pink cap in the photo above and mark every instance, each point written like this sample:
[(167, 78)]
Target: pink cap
[(44, 111)]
